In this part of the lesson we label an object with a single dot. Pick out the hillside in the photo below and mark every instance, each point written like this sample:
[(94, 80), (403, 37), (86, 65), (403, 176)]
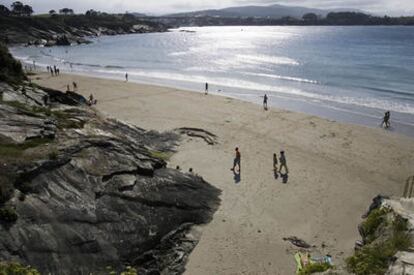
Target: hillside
[(272, 11), (69, 29)]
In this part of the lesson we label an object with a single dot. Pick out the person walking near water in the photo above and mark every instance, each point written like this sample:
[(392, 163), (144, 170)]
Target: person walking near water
[(75, 86), (206, 89), (265, 102), (386, 120), (237, 159), (283, 163), (126, 77)]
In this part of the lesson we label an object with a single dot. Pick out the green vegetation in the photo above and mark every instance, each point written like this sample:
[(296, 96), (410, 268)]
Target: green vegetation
[(16, 269), (376, 218), (313, 268), (160, 155), (8, 215), (10, 69), (66, 121), (16, 150), (128, 271), (375, 257)]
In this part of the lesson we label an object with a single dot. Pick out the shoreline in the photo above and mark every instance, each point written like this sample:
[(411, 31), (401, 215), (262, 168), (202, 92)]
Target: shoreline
[(335, 171), (327, 112)]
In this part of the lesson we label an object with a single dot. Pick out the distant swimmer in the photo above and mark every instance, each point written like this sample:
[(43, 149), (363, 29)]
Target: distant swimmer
[(386, 120), (265, 102), (126, 77), (206, 89)]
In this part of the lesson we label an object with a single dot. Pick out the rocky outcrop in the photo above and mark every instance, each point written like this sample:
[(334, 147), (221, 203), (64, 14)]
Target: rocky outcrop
[(91, 192), (387, 238), (69, 30)]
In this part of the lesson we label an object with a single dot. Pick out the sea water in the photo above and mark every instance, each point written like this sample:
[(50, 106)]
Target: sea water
[(349, 74)]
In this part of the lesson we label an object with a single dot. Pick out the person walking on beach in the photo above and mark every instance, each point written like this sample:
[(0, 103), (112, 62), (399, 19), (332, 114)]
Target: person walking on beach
[(126, 77), (265, 102), (75, 86), (275, 162), (206, 89), (237, 159), (282, 160), (55, 70), (386, 120)]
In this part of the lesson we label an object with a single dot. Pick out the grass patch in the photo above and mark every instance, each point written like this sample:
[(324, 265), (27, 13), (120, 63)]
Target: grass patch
[(313, 268), (374, 258), (66, 121), (16, 269), (16, 150), (376, 218), (160, 155)]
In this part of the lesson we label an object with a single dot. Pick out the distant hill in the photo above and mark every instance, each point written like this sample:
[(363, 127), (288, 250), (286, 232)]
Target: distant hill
[(272, 11)]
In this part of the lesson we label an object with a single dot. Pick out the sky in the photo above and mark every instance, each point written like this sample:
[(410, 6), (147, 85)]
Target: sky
[(156, 7)]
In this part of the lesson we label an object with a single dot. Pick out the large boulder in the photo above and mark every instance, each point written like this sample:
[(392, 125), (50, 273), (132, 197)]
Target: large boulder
[(97, 195)]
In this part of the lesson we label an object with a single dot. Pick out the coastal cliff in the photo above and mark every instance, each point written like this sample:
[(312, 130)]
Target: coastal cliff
[(67, 30), (80, 193)]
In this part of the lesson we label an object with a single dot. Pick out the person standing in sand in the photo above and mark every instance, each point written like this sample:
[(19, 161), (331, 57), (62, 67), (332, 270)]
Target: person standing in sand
[(206, 89), (126, 77), (265, 102), (283, 163), (275, 162), (236, 161)]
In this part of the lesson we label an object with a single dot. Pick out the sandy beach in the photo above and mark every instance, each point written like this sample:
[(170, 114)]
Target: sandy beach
[(335, 171)]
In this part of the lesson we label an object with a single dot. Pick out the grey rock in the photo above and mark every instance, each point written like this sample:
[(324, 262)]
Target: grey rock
[(103, 199)]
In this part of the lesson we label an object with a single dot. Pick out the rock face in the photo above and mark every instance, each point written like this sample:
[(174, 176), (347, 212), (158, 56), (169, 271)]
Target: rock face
[(97, 193)]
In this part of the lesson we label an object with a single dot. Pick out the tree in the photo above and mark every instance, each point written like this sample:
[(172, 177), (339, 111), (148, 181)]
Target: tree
[(4, 10), (17, 8), (66, 11), (27, 10), (52, 12), (91, 13), (310, 17)]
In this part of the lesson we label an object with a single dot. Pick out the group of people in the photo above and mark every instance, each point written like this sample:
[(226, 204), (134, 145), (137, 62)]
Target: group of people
[(386, 120), (75, 87), (282, 163), (54, 71)]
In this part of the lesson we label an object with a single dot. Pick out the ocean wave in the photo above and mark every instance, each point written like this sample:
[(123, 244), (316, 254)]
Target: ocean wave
[(260, 59), (275, 90), (296, 79)]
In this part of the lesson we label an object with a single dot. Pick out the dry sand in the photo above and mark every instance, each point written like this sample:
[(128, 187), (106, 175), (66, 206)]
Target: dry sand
[(335, 171)]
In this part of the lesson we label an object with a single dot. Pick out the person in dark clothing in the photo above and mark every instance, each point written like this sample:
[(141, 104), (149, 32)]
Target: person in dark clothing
[(75, 86), (237, 159), (386, 120), (265, 102), (283, 163), (126, 77), (206, 89), (55, 70)]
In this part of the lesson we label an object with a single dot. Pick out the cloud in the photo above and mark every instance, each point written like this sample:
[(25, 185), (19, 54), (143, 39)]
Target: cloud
[(392, 7)]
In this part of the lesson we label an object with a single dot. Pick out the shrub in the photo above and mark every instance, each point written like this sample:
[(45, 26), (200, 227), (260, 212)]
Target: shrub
[(373, 221), (8, 215), (375, 257), (16, 269), (10, 69)]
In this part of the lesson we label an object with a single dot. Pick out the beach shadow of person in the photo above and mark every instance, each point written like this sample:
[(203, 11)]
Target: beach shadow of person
[(236, 177), (284, 177), (275, 174)]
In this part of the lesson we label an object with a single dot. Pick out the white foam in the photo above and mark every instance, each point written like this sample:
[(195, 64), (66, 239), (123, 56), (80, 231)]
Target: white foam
[(297, 79)]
